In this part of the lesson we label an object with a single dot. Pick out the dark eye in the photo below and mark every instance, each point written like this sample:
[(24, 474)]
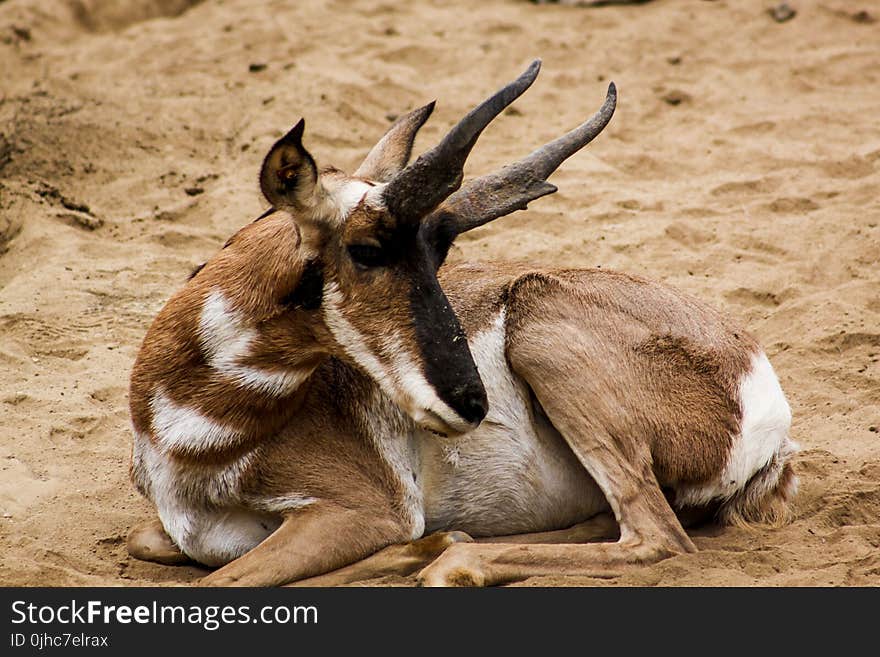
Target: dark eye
[(367, 255)]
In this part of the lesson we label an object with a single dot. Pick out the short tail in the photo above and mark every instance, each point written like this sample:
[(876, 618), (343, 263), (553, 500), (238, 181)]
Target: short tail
[(766, 497)]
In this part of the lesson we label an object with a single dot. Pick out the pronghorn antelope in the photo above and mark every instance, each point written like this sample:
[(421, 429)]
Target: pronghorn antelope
[(324, 395)]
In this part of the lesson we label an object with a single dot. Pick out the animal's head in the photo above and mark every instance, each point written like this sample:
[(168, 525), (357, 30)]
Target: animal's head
[(371, 244)]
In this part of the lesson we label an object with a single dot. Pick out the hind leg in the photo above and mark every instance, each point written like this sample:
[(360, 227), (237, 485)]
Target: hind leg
[(596, 417), (649, 530), (149, 542), (616, 455)]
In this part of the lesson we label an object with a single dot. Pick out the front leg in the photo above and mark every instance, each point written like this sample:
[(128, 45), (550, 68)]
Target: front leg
[(401, 560), (313, 540), (491, 564), (405, 559)]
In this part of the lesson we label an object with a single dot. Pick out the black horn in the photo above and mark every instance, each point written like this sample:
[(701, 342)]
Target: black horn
[(436, 174), (512, 187)]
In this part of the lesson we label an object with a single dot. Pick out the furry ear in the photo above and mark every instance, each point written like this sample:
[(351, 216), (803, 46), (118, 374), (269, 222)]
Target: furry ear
[(289, 175)]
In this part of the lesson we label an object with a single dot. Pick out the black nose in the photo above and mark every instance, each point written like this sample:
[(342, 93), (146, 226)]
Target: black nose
[(472, 406)]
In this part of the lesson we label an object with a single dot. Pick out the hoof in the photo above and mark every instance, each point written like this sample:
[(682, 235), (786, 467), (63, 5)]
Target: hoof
[(149, 542), (457, 566), (458, 537), (218, 580), (433, 545)]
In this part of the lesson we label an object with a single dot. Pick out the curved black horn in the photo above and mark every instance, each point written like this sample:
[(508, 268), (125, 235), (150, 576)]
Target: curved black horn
[(512, 187), (425, 183)]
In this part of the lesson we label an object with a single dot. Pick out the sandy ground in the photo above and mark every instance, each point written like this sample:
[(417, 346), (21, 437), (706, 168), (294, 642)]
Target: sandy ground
[(743, 165)]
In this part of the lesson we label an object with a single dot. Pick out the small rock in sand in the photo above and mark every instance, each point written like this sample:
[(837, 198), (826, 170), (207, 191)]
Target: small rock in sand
[(782, 12), (863, 17), (676, 97)]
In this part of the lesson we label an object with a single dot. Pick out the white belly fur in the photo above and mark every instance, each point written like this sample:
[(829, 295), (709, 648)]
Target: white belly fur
[(514, 473)]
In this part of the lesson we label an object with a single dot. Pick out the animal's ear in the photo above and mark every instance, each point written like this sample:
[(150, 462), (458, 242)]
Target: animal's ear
[(289, 177), (392, 152)]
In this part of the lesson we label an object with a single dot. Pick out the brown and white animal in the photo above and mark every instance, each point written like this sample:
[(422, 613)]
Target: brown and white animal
[(287, 401)]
